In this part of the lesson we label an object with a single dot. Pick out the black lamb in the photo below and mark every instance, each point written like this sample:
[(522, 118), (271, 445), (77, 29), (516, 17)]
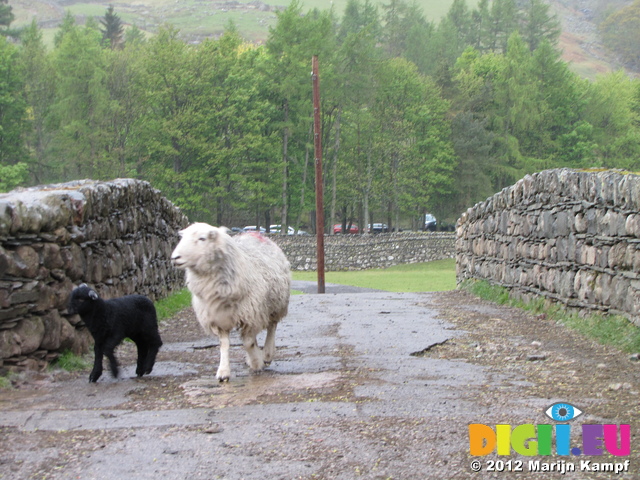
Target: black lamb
[(111, 321)]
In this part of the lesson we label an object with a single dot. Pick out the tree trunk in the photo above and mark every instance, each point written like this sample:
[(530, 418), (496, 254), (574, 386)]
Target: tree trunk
[(304, 179), (285, 173), (334, 170)]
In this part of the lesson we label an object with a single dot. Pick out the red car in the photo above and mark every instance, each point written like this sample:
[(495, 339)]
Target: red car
[(337, 228)]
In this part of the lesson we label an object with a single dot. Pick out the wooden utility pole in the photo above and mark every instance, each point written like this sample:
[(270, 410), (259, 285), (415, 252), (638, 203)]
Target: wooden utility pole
[(317, 142)]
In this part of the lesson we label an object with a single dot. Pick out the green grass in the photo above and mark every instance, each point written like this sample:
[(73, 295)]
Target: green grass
[(71, 362), (168, 307), (5, 383), (614, 330), (436, 276)]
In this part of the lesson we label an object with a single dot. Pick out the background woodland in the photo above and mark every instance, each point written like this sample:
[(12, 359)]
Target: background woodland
[(418, 116)]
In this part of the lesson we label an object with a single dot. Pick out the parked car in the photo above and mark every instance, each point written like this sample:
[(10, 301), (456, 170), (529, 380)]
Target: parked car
[(337, 228), (378, 228), (290, 230), (253, 228), (278, 229), (430, 222)]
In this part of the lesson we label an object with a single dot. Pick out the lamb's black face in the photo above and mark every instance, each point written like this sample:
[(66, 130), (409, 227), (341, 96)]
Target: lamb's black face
[(81, 300)]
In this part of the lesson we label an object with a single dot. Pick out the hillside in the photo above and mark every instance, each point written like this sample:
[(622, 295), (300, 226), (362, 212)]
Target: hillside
[(198, 19), (580, 41)]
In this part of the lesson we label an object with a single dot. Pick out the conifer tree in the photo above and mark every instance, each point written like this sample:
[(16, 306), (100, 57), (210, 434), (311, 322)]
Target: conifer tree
[(6, 17), (113, 31)]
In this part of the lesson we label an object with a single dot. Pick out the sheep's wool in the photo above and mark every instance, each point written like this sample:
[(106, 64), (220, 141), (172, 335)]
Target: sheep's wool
[(238, 282)]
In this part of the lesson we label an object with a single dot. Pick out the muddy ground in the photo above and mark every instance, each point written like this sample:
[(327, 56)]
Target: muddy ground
[(364, 385)]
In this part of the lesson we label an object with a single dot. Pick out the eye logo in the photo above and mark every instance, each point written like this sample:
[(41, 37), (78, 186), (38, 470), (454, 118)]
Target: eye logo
[(562, 412)]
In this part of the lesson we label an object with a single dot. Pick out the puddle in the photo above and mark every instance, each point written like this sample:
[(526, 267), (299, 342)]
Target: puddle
[(208, 392)]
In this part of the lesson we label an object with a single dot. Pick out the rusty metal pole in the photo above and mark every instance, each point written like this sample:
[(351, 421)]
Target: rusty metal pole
[(317, 142)]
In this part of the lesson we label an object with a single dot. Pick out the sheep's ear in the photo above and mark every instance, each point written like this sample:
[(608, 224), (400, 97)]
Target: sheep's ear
[(93, 295), (226, 230)]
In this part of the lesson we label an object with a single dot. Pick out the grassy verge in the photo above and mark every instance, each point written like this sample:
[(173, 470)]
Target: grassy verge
[(614, 330), (71, 362), (168, 307), (436, 276)]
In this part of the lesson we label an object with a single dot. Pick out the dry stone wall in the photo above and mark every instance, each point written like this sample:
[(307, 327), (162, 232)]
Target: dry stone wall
[(571, 236), (116, 236), (359, 252)]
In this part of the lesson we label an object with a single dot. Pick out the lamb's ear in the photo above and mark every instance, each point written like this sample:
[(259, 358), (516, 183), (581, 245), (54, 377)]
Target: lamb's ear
[(93, 295), (225, 230)]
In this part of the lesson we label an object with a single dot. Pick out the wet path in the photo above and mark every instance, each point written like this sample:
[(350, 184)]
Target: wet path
[(349, 395)]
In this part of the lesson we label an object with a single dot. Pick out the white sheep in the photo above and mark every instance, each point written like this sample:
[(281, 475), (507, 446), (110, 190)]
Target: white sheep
[(238, 282)]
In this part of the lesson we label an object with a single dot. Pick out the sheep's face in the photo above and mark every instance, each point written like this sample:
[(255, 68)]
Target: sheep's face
[(198, 247), (82, 300)]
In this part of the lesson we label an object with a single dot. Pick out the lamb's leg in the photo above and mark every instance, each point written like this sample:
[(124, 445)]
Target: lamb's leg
[(224, 370), (97, 363), (270, 343), (109, 351), (143, 352), (254, 354), (150, 360)]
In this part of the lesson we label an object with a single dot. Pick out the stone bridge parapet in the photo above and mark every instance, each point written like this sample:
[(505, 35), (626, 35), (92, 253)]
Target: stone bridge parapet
[(570, 236), (116, 236)]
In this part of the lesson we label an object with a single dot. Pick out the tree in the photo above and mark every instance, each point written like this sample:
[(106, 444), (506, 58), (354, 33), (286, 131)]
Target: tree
[(473, 144), (621, 33), (67, 25), (539, 25), (609, 109), (40, 94), (13, 107), (411, 140), (125, 108), (503, 22), (406, 29), (560, 96), (113, 31), (134, 36), (479, 35), (357, 61), (12, 176), (290, 47), (82, 103), (6, 18), (164, 139)]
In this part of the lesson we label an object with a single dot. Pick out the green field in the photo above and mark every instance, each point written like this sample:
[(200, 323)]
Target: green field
[(195, 19), (416, 277)]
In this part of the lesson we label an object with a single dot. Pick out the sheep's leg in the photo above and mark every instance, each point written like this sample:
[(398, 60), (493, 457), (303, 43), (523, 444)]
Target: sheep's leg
[(270, 343), (97, 363), (224, 370), (254, 354)]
